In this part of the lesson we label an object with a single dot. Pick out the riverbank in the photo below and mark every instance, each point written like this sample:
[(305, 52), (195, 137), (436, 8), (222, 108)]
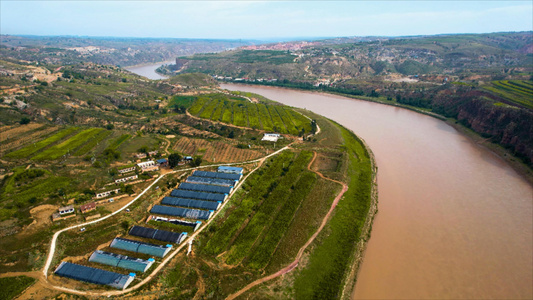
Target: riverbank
[(357, 257), (516, 163), (160, 63)]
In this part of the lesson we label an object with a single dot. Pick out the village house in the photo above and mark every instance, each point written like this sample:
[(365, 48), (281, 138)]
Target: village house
[(87, 207), (129, 178), (107, 193), (63, 213), (126, 170), (148, 166), (163, 162)]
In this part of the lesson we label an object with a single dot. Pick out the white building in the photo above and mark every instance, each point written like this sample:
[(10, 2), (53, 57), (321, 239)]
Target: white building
[(148, 166), (126, 170), (271, 137), (107, 193), (126, 179)]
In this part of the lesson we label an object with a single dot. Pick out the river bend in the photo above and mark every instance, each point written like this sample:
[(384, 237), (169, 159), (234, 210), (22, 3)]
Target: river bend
[(455, 221)]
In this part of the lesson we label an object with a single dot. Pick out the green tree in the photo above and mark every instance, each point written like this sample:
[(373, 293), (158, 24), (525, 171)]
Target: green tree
[(24, 120), (173, 160), (197, 161)]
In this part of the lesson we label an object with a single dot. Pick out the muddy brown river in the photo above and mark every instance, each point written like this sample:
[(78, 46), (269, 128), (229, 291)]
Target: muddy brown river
[(455, 221)]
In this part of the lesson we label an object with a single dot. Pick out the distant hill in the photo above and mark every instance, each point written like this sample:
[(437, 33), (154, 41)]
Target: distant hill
[(107, 50), (344, 58)]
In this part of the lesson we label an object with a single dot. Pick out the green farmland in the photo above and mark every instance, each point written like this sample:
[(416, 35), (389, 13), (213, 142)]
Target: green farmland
[(71, 145), (239, 112), (519, 92), (34, 148), (273, 196)]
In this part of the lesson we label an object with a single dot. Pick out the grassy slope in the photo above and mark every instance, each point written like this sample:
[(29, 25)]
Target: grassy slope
[(13, 286), (330, 257)]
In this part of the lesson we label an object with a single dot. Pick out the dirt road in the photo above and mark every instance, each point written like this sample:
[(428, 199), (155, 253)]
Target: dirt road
[(294, 264)]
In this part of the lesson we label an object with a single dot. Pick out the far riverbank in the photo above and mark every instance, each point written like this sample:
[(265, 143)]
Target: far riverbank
[(516, 163)]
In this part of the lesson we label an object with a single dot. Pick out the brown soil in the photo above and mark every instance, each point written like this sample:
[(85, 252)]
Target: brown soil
[(14, 132), (41, 217)]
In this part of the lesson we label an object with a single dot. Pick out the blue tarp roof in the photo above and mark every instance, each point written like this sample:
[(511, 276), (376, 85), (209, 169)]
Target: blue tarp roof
[(140, 247), (191, 203), (157, 234), (198, 195), (205, 188), (121, 261), (212, 181), (227, 169), (217, 175), (181, 212), (93, 275)]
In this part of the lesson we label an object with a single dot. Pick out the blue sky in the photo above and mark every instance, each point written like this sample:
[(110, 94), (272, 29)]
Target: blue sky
[(261, 19)]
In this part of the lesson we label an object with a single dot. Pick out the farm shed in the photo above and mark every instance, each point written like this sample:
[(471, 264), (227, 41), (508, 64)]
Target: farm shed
[(182, 212), (205, 188), (87, 207), (195, 225), (94, 275), (190, 203), (271, 137), (212, 181), (198, 195), (121, 261), (217, 175), (162, 162), (157, 234), (140, 247), (230, 170)]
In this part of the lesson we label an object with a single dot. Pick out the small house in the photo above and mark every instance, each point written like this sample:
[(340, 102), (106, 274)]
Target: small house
[(107, 193), (271, 137), (124, 179), (87, 207), (148, 166), (66, 210), (163, 162), (126, 170)]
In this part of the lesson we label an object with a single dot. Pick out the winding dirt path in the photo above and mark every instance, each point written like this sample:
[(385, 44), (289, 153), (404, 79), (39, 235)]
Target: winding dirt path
[(168, 145), (294, 264)]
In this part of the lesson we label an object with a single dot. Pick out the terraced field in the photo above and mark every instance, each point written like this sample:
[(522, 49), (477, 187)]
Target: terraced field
[(239, 112), (19, 140), (516, 91), (214, 151), (35, 147), (71, 145)]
